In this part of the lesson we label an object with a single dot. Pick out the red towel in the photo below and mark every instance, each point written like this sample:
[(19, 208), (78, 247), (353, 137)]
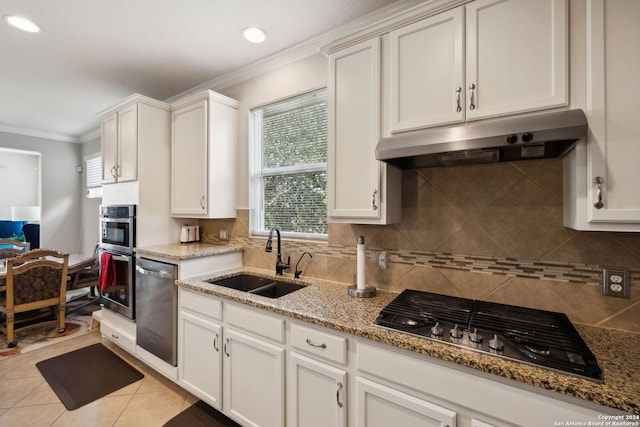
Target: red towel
[(107, 275)]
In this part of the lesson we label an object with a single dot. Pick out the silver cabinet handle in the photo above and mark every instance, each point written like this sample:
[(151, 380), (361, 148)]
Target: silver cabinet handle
[(373, 200), (202, 202), (226, 349), (340, 405), (599, 181), (323, 345), (215, 343), (472, 102), (113, 172), (458, 107)]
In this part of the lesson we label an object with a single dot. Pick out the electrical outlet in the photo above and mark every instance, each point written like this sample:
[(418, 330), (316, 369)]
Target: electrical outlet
[(382, 260), (224, 234), (615, 283)]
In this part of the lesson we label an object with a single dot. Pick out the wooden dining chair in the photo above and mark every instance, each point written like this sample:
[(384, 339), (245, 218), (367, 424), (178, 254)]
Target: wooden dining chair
[(10, 248), (36, 279)]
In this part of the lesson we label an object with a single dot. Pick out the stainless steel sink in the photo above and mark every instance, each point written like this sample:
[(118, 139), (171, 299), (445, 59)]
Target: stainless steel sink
[(264, 286)]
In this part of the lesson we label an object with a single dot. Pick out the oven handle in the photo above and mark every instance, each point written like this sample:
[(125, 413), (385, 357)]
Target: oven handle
[(120, 258), (153, 273)]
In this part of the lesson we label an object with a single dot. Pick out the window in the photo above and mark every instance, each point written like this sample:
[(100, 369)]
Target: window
[(94, 177), (288, 167)]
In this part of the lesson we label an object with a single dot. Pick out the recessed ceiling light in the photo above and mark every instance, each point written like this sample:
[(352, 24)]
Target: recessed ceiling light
[(254, 35), (22, 23)]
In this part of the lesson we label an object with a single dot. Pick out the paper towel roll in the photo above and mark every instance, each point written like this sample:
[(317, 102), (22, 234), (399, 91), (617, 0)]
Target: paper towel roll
[(361, 271)]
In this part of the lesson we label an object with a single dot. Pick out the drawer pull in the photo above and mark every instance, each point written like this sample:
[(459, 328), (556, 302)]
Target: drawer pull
[(338, 394), (323, 345)]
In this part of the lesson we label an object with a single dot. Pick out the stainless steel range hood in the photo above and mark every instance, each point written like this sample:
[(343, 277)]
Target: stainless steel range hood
[(488, 141)]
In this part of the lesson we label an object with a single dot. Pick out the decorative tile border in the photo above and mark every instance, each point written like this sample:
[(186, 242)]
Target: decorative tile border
[(537, 269)]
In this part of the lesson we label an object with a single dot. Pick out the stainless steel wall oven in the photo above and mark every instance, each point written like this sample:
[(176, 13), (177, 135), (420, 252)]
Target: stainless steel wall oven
[(117, 260)]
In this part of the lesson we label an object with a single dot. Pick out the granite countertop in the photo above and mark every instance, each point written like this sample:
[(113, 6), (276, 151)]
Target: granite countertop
[(326, 304), (185, 251)]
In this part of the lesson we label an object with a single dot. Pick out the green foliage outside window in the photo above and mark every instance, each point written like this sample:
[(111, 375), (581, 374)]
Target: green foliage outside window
[(293, 169)]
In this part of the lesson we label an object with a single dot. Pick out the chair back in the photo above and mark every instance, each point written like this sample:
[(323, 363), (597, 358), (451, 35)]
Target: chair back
[(36, 279), (10, 248)]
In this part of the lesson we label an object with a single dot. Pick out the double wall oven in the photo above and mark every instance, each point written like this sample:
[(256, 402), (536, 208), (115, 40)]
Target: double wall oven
[(117, 241)]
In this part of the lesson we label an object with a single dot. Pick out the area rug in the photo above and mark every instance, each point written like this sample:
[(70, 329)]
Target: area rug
[(87, 374), (40, 335), (200, 415)]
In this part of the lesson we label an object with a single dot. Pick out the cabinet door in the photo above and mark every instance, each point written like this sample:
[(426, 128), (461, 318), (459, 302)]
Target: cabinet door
[(109, 134), (128, 144), (381, 406), (613, 148), (317, 394), (253, 380), (517, 56), (427, 72), (200, 358), (354, 129), (189, 160)]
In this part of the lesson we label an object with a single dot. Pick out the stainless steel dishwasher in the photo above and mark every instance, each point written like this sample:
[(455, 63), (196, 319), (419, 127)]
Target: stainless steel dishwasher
[(157, 308)]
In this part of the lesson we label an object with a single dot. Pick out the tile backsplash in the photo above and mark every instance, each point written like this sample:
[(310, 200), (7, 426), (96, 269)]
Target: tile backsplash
[(491, 232)]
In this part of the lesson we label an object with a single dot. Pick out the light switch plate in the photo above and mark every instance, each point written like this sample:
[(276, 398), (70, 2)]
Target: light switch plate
[(615, 283)]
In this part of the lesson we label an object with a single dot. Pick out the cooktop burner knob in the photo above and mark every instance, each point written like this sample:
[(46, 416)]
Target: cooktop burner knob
[(474, 337), (436, 330), (496, 344), (456, 332)]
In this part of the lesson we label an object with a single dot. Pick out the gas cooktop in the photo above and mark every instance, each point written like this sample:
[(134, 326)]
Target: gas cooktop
[(542, 338)]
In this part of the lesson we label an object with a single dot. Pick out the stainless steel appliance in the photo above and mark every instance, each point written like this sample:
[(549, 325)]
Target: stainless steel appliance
[(157, 308), (118, 228), (117, 241), (543, 338), (533, 136)]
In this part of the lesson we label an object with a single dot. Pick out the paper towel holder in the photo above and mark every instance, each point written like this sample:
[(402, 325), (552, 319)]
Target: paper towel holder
[(361, 289), (367, 292)]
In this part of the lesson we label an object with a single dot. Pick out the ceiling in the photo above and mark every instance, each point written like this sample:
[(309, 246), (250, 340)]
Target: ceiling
[(91, 54)]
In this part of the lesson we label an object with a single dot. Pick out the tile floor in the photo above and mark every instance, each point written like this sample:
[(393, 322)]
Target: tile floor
[(26, 400)]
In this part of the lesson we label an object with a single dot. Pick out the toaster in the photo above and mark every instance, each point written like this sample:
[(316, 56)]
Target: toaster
[(189, 233)]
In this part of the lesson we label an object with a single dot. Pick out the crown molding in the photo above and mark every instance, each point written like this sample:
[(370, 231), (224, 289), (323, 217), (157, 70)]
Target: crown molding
[(305, 49), (38, 134)]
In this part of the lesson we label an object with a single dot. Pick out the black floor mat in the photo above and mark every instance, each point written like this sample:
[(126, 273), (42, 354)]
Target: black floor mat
[(82, 376), (200, 415)]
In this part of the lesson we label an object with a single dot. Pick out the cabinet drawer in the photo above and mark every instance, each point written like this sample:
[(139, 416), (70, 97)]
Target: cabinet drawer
[(255, 322), (321, 344), (124, 340), (200, 303)]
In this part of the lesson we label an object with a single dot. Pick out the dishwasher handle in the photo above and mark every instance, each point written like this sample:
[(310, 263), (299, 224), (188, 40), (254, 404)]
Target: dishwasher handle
[(153, 273)]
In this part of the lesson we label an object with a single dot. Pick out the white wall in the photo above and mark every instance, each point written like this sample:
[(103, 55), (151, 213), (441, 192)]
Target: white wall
[(61, 189), (291, 79), (20, 175)]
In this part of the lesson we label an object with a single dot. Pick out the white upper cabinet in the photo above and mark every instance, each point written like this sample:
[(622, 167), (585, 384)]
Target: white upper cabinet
[(489, 58), (203, 157), (120, 145), (135, 124), (604, 176), (427, 72), (359, 185)]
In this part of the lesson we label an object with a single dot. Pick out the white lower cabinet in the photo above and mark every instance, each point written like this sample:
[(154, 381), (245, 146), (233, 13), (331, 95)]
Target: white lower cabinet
[(200, 357), (317, 395), (381, 406), (263, 369), (253, 380)]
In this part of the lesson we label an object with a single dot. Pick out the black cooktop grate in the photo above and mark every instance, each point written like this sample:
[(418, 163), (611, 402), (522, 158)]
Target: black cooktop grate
[(539, 337)]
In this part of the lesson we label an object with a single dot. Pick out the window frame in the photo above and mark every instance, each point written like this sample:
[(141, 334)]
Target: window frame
[(256, 114)]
